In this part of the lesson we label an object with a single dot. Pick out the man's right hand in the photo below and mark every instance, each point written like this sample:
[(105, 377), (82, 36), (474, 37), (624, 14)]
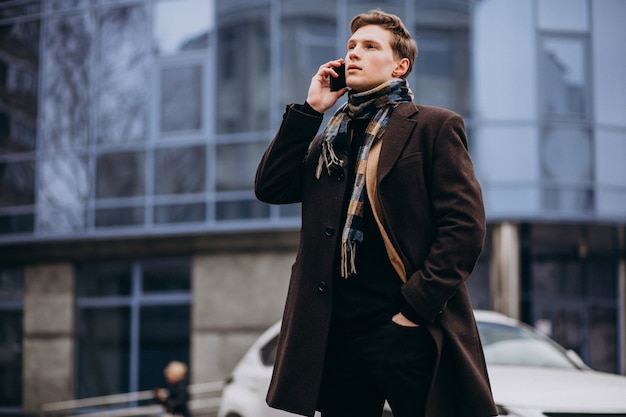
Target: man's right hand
[(320, 97)]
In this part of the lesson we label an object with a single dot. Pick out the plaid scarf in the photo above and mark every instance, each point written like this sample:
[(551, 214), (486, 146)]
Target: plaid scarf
[(377, 105)]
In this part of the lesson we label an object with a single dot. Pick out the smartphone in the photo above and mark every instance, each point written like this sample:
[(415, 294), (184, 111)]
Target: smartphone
[(338, 83)]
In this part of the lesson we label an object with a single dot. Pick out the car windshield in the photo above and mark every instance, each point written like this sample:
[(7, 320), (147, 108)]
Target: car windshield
[(512, 345)]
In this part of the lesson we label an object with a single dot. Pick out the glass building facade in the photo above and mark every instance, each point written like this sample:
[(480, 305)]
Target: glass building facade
[(130, 132)]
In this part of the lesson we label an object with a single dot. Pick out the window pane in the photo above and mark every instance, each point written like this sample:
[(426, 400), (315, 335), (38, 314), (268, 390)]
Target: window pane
[(603, 339), (306, 44), (11, 319), (567, 169), (17, 223), (11, 284), (120, 175), (181, 98), (564, 86), (110, 279), (290, 210), (66, 59), (11, 357), (19, 77), (552, 15), (124, 75), (442, 68), (104, 354), (63, 192), (166, 275), (122, 216), (243, 73), (182, 25), (180, 170), (165, 335), (236, 165), (566, 153), (239, 210), (17, 181), (180, 213)]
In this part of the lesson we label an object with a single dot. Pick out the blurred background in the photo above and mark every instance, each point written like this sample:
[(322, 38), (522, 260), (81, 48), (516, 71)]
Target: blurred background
[(130, 131)]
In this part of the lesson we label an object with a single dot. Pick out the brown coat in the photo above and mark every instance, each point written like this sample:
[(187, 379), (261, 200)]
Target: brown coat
[(429, 205)]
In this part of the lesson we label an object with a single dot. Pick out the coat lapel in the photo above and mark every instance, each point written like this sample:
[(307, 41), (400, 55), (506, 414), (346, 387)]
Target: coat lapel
[(382, 157), (399, 129)]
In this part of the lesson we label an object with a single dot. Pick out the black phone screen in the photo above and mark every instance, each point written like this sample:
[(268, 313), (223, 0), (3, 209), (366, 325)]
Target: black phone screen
[(338, 83)]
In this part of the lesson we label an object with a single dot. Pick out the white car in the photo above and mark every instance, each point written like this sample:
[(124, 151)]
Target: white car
[(531, 376)]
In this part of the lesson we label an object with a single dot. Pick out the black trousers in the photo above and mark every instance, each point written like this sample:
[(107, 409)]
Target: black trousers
[(390, 362)]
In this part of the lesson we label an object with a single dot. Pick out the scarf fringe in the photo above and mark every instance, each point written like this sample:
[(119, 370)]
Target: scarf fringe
[(330, 160), (348, 258)]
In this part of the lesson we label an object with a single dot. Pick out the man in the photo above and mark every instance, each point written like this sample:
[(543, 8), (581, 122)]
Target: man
[(392, 225), (175, 398)]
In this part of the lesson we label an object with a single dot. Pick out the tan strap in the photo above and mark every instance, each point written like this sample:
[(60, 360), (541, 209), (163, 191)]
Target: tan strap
[(372, 193)]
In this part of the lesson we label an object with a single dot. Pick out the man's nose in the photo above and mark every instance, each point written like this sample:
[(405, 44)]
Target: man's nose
[(353, 54)]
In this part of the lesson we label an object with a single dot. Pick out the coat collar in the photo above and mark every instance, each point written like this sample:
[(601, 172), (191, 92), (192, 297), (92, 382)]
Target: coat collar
[(399, 129)]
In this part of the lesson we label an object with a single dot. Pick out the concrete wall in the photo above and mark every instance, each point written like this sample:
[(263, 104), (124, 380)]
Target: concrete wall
[(235, 298), (48, 360)]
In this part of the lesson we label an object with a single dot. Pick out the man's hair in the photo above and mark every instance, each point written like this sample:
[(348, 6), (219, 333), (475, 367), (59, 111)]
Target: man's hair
[(403, 44)]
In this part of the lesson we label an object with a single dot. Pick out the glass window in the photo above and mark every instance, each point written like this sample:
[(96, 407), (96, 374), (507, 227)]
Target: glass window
[(166, 275), (104, 341), (564, 89), (566, 166), (180, 213), (63, 192), (306, 44), (119, 216), (571, 289), (182, 25), (236, 165), (123, 75), (608, 63), (164, 336), (120, 174), (238, 210), (552, 15), (66, 59), (181, 98), (132, 319), (180, 170), (243, 72), (604, 339), (441, 69), (17, 180), (105, 279), (16, 223), (11, 317)]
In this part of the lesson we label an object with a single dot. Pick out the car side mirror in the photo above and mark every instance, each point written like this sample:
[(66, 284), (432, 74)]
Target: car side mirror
[(574, 357)]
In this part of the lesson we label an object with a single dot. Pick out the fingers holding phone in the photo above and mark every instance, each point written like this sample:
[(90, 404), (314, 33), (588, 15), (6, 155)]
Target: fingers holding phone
[(321, 95)]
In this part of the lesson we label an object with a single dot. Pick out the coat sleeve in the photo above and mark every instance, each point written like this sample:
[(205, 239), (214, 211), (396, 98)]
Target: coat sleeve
[(459, 223), (279, 174)]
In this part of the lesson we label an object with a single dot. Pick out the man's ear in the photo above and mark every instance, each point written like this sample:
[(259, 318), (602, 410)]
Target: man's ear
[(401, 68)]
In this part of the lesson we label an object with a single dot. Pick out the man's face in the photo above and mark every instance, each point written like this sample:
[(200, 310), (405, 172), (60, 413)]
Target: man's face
[(370, 61)]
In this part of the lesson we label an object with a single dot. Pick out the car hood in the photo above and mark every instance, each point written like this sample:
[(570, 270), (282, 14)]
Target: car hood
[(558, 390)]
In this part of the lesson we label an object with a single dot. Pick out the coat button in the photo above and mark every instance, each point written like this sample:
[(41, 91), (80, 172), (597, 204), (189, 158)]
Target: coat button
[(329, 231), (322, 286)]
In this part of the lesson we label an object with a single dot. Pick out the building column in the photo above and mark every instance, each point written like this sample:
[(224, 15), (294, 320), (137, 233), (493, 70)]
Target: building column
[(504, 269), (236, 296), (48, 360)]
